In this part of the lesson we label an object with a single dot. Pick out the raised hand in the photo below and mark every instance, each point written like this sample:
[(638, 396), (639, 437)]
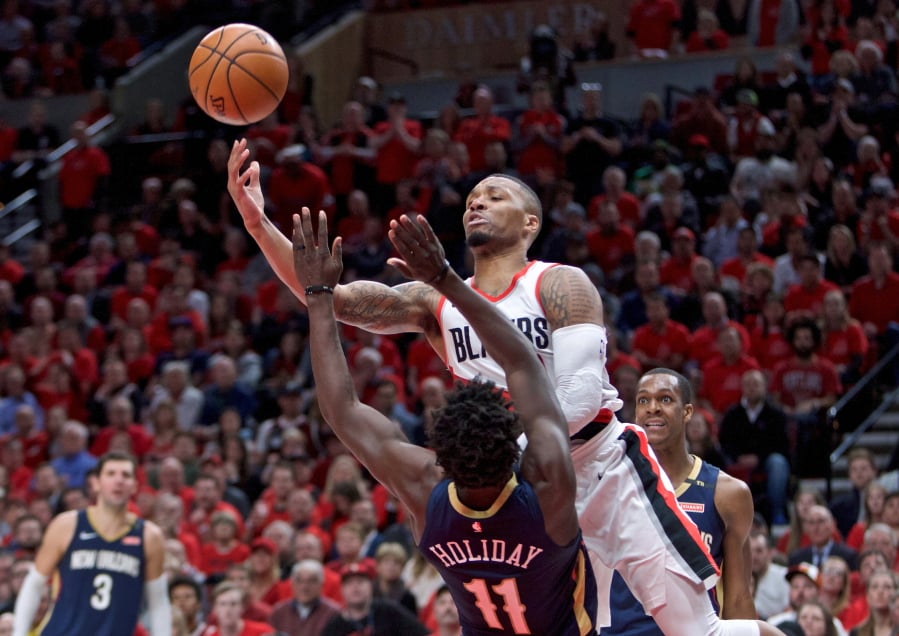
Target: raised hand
[(244, 186), (314, 264), (422, 254)]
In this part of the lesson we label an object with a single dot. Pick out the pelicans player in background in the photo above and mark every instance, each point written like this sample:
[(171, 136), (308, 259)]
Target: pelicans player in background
[(108, 561)]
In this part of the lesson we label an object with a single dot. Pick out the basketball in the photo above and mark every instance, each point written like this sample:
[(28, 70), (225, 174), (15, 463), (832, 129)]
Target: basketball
[(238, 74)]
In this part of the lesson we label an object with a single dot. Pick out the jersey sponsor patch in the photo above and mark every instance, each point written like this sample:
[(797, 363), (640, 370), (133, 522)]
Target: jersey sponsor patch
[(689, 506), (131, 540), (86, 536)]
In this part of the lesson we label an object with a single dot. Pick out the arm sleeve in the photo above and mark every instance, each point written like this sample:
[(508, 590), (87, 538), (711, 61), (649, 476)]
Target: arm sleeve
[(159, 612), (581, 380), (27, 601)]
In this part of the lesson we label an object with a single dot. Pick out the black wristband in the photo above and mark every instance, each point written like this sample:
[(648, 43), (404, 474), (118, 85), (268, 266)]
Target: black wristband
[(319, 289), (443, 272)]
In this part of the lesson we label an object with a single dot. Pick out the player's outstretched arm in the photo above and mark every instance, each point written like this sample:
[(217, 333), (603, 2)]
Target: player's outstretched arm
[(372, 306), (547, 462), (57, 537), (405, 469)]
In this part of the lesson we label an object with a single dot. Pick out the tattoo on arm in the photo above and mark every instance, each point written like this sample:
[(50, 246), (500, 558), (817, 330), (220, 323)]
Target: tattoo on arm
[(386, 309), (569, 298)]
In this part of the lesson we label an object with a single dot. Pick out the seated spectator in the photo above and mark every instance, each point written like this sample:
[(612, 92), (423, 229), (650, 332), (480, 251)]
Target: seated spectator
[(389, 561), (661, 342), (649, 127), (722, 374), (225, 391), (844, 264), (835, 586), (819, 526), (16, 395), (224, 546), (845, 343), (676, 271), (806, 298), (879, 594), (186, 596), (873, 498), (73, 463), (879, 221), (708, 35), (308, 611), (614, 181), (611, 244), (721, 242), (753, 436), (229, 602), (771, 587), (714, 315)]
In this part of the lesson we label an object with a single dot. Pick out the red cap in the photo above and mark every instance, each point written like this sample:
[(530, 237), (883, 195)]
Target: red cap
[(684, 232), (699, 140), (263, 543), (363, 568)]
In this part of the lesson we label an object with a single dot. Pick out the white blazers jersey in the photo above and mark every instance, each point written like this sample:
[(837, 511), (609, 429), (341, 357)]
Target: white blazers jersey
[(467, 357)]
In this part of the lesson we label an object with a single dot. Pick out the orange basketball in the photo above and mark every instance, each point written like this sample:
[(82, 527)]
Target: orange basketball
[(238, 74)]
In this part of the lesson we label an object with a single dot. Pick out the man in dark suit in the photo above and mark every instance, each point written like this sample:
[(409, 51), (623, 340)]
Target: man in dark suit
[(753, 435), (819, 526), (847, 509)]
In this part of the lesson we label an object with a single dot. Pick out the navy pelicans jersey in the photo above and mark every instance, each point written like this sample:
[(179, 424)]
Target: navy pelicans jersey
[(505, 574), (465, 355), (696, 497), (101, 583)]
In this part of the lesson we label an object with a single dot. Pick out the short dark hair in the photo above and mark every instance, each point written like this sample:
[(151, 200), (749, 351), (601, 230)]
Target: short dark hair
[(683, 384), (116, 456), (184, 581), (475, 435), (533, 201)]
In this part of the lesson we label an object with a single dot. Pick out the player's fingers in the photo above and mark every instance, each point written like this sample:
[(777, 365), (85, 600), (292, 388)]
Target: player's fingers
[(426, 230), (297, 236), (410, 221), (401, 265), (337, 250), (402, 241), (308, 239), (322, 229)]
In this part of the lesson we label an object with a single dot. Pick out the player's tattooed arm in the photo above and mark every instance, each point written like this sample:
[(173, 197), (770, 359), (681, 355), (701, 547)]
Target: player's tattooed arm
[(569, 298), (382, 309)]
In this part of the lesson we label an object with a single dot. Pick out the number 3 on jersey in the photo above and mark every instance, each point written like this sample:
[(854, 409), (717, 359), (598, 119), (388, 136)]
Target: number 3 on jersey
[(102, 592), (508, 590)]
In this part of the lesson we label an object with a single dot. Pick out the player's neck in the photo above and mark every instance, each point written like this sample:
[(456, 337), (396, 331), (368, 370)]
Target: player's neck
[(676, 463), (493, 272)]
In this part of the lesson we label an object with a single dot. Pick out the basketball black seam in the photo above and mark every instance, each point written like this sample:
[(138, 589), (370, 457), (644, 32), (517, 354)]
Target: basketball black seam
[(219, 61), (253, 75), (212, 50)]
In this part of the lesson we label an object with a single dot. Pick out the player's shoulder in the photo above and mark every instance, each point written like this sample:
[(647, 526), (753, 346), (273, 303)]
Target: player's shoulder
[(569, 296), (732, 496), (153, 535), (63, 521)]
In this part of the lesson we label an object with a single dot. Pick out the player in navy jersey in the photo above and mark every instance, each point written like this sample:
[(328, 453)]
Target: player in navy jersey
[(720, 505), (508, 545), (108, 562)]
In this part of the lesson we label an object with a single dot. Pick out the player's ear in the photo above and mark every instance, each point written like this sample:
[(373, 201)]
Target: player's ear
[(688, 412)]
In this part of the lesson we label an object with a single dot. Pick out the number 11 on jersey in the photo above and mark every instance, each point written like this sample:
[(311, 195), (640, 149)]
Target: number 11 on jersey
[(508, 590)]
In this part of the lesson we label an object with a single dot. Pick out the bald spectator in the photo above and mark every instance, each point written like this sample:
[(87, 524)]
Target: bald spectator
[(818, 525), (73, 462), (714, 315), (308, 611), (17, 395)]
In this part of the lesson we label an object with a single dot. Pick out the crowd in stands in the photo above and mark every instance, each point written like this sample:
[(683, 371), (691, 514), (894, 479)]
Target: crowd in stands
[(749, 240)]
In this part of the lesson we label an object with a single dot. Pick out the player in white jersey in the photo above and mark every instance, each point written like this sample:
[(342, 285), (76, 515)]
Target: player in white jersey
[(626, 507)]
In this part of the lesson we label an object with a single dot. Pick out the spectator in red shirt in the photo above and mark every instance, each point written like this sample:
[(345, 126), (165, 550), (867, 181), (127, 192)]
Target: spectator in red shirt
[(879, 222), (722, 375), (611, 244), (614, 181), (347, 156), (653, 26), (875, 298), (229, 602), (661, 342), (135, 286), (117, 52), (805, 385), (120, 418), (35, 442), (807, 296), (397, 143), (701, 117), (714, 313), (708, 35), (207, 501), (540, 131), (768, 344), (845, 343), (481, 129), (224, 547), (676, 271), (295, 184), (82, 182)]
